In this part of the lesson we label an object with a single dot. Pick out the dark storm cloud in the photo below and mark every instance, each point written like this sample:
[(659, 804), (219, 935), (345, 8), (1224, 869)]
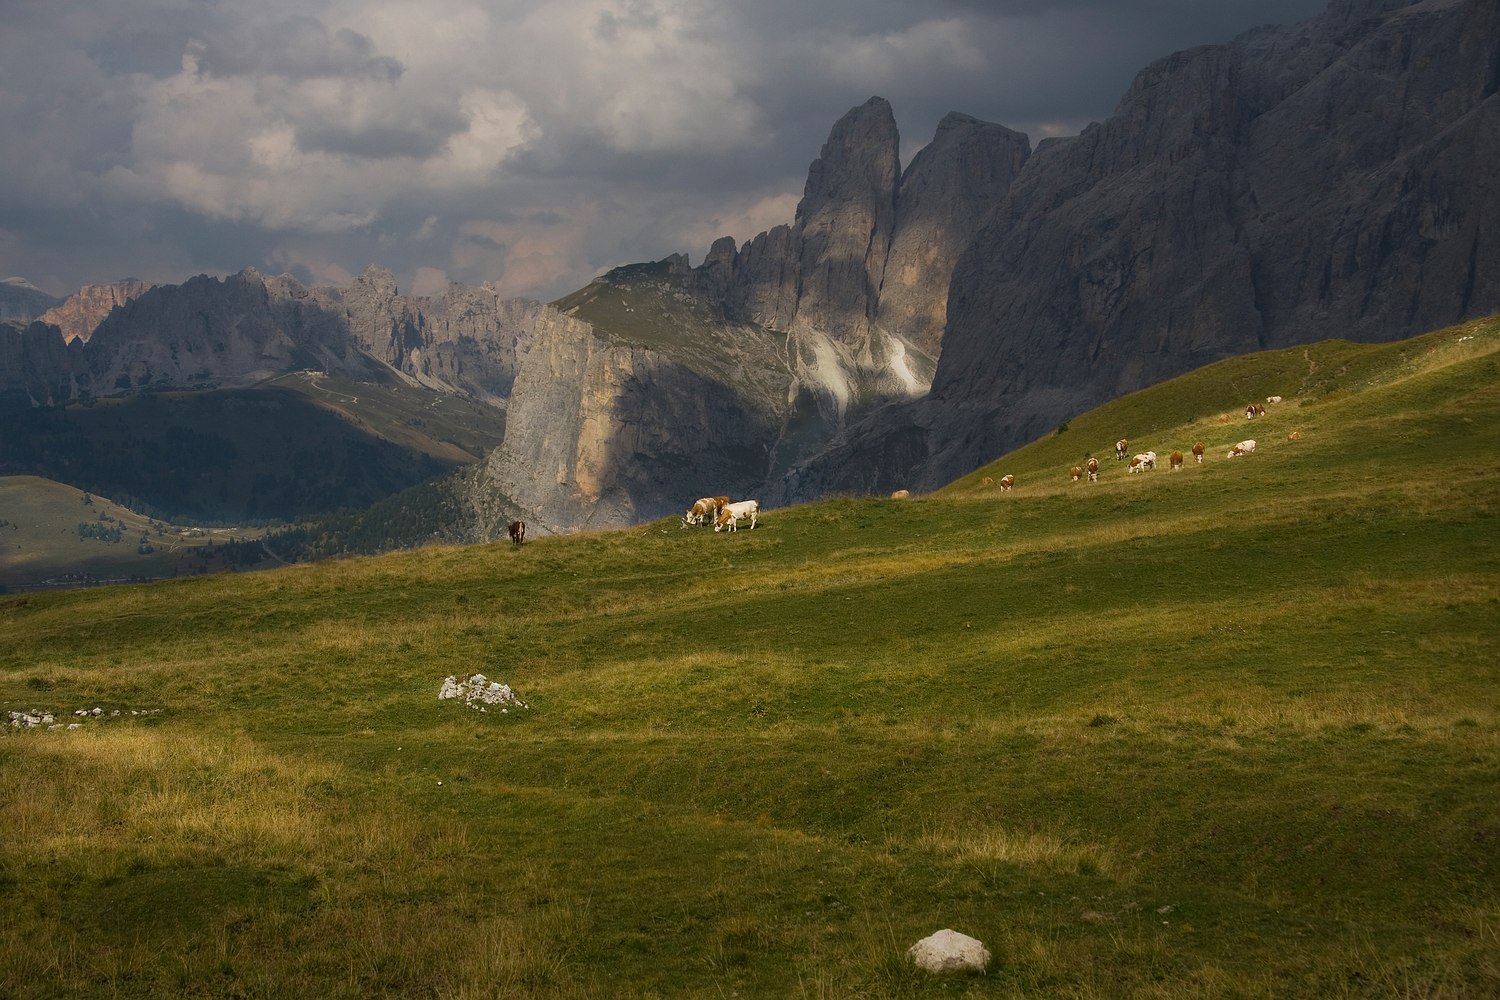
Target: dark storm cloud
[(526, 142)]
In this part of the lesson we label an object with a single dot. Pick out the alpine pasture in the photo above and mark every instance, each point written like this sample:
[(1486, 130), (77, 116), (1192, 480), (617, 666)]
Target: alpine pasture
[(1230, 731)]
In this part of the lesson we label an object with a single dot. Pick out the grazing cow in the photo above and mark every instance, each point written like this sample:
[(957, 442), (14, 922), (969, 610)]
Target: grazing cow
[(1076, 472), (988, 481), (1273, 399), (1174, 461), (1254, 410), (1006, 482), (1145, 460), (707, 507), (1093, 467), (1120, 447), (1294, 436), (730, 516), (1243, 448), (901, 494), (517, 532), (1198, 452)]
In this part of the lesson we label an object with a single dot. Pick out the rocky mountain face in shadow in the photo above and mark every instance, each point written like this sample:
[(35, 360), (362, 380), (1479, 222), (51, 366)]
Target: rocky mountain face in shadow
[(21, 301), (1332, 179)]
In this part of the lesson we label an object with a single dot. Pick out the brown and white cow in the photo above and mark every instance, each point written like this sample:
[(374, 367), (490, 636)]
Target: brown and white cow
[(1076, 472), (1243, 448), (517, 531), (703, 509), (1254, 410), (730, 516), (1093, 467), (1006, 482), (1120, 448), (988, 481), (1294, 436), (901, 495), (1145, 460), (1198, 452), (1174, 461)]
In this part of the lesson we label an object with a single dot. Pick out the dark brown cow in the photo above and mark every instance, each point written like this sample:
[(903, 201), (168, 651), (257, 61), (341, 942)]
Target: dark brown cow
[(1198, 452), (517, 532), (1174, 461)]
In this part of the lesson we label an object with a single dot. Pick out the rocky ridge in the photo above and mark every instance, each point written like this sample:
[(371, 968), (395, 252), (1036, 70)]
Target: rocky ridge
[(82, 312), (1329, 179)]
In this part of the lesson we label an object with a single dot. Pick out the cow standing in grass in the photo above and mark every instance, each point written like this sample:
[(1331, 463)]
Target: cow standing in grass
[(1076, 473), (1121, 446), (1198, 452), (730, 516), (1093, 468), (517, 531)]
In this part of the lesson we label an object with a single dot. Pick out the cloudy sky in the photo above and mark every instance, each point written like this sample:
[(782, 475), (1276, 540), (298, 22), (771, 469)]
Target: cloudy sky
[(531, 143)]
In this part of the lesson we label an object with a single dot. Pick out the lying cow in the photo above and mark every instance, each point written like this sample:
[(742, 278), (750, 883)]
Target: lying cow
[(730, 516), (1243, 448)]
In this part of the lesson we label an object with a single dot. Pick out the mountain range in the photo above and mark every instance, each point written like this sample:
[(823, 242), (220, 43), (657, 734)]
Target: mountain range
[(1332, 179)]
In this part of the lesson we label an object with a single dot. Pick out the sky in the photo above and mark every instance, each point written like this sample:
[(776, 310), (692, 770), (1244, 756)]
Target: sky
[(533, 144)]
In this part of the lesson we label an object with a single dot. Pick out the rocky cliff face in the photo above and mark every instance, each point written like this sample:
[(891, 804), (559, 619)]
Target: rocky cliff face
[(82, 312), (859, 279), (207, 332), (601, 434), (1333, 179)]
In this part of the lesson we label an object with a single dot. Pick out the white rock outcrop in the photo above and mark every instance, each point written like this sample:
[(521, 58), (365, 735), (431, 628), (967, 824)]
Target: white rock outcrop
[(949, 951), (479, 691)]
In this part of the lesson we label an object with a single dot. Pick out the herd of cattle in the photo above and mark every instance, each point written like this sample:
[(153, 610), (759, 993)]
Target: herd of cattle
[(725, 515), (1144, 460)]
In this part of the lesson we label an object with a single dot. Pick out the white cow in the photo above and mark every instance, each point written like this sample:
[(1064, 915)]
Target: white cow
[(730, 516), (1243, 448)]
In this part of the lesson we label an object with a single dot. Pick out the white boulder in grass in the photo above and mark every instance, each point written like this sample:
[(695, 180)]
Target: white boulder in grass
[(949, 951), (479, 691)]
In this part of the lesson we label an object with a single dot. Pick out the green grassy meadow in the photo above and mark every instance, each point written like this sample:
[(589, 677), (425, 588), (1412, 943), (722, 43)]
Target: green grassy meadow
[(1232, 731), (40, 540)]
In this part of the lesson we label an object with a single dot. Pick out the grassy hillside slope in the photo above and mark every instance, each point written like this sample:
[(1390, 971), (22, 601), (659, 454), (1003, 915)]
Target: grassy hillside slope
[(1231, 731), (41, 540)]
